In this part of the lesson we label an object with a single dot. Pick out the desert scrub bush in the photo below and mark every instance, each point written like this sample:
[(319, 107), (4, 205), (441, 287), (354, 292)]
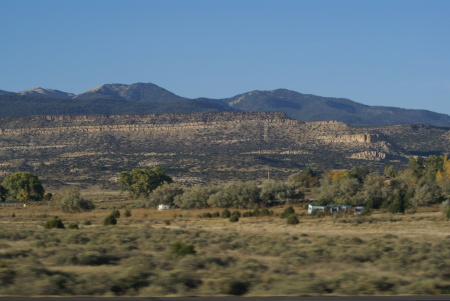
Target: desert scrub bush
[(54, 223), (115, 213), (85, 256), (226, 213), (180, 249), (398, 206), (229, 286), (94, 257), (206, 215), (69, 199), (177, 282), (40, 281), (265, 212), (234, 218), (216, 214), (292, 220), (237, 288), (256, 212), (13, 254), (77, 239), (237, 213), (127, 213), (109, 220), (14, 234), (247, 214), (287, 212), (6, 276)]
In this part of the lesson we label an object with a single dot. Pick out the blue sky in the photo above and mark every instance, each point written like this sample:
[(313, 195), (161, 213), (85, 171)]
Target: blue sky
[(389, 53)]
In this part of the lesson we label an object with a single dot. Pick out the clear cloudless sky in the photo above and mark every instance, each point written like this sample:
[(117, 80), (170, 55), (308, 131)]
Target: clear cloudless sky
[(383, 52)]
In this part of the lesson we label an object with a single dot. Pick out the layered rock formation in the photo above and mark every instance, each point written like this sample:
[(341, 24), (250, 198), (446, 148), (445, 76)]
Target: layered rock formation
[(92, 149)]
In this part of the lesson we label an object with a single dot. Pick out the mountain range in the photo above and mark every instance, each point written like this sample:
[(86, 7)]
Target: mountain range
[(147, 98)]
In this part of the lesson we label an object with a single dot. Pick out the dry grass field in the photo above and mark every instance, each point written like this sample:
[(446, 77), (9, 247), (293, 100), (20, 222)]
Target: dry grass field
[(378, 254)]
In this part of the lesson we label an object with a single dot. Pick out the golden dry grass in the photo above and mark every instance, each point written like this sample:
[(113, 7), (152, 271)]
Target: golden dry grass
[(427, 224), (341, 255), (318, 256)]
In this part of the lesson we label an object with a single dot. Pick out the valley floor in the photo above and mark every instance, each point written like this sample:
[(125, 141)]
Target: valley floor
[(379, 254)]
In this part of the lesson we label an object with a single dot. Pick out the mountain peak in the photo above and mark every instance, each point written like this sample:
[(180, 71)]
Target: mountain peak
[(46, 92), (135, 92), (2, 92)]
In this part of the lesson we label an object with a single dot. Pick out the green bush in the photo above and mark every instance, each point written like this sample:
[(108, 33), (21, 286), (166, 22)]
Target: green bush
[(167, 222), (256, 212), (234, 218), (115, 213), (397, 206), (247, 214), (180, 249), (93, 257), (238, 288), (265, 212), (206, 215), (287, 212), (226, 213), (216, 214), (87, 223), (237, 213), (292, 220), (54, 223), (448, 214), (127, 213), (69, 199), (110, 220)]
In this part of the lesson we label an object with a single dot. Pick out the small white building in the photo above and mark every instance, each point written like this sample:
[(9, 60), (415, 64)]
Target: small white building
[(334, 209), (163, 207)]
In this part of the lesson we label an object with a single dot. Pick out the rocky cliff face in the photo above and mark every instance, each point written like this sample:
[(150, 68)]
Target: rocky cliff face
[(204, 146)]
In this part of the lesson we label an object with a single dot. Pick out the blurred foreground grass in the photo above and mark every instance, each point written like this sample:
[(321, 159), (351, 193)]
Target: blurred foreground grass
[(381, 254)]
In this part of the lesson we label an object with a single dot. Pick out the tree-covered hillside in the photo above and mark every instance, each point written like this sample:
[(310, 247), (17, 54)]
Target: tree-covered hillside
[(14, 105), (307, 107), (150, 98)]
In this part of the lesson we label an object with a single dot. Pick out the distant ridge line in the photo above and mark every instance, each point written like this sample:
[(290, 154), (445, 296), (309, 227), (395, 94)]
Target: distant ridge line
[(148, 98)]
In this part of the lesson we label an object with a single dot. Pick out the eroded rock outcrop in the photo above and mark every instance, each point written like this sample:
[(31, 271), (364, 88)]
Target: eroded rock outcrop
[(229, 145)]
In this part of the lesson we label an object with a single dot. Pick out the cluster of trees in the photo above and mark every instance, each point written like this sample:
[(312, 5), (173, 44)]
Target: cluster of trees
[(27, 105), (423, 182), (237, 195), (141, 182), (26, 187), (158, 188), (21, 187)]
